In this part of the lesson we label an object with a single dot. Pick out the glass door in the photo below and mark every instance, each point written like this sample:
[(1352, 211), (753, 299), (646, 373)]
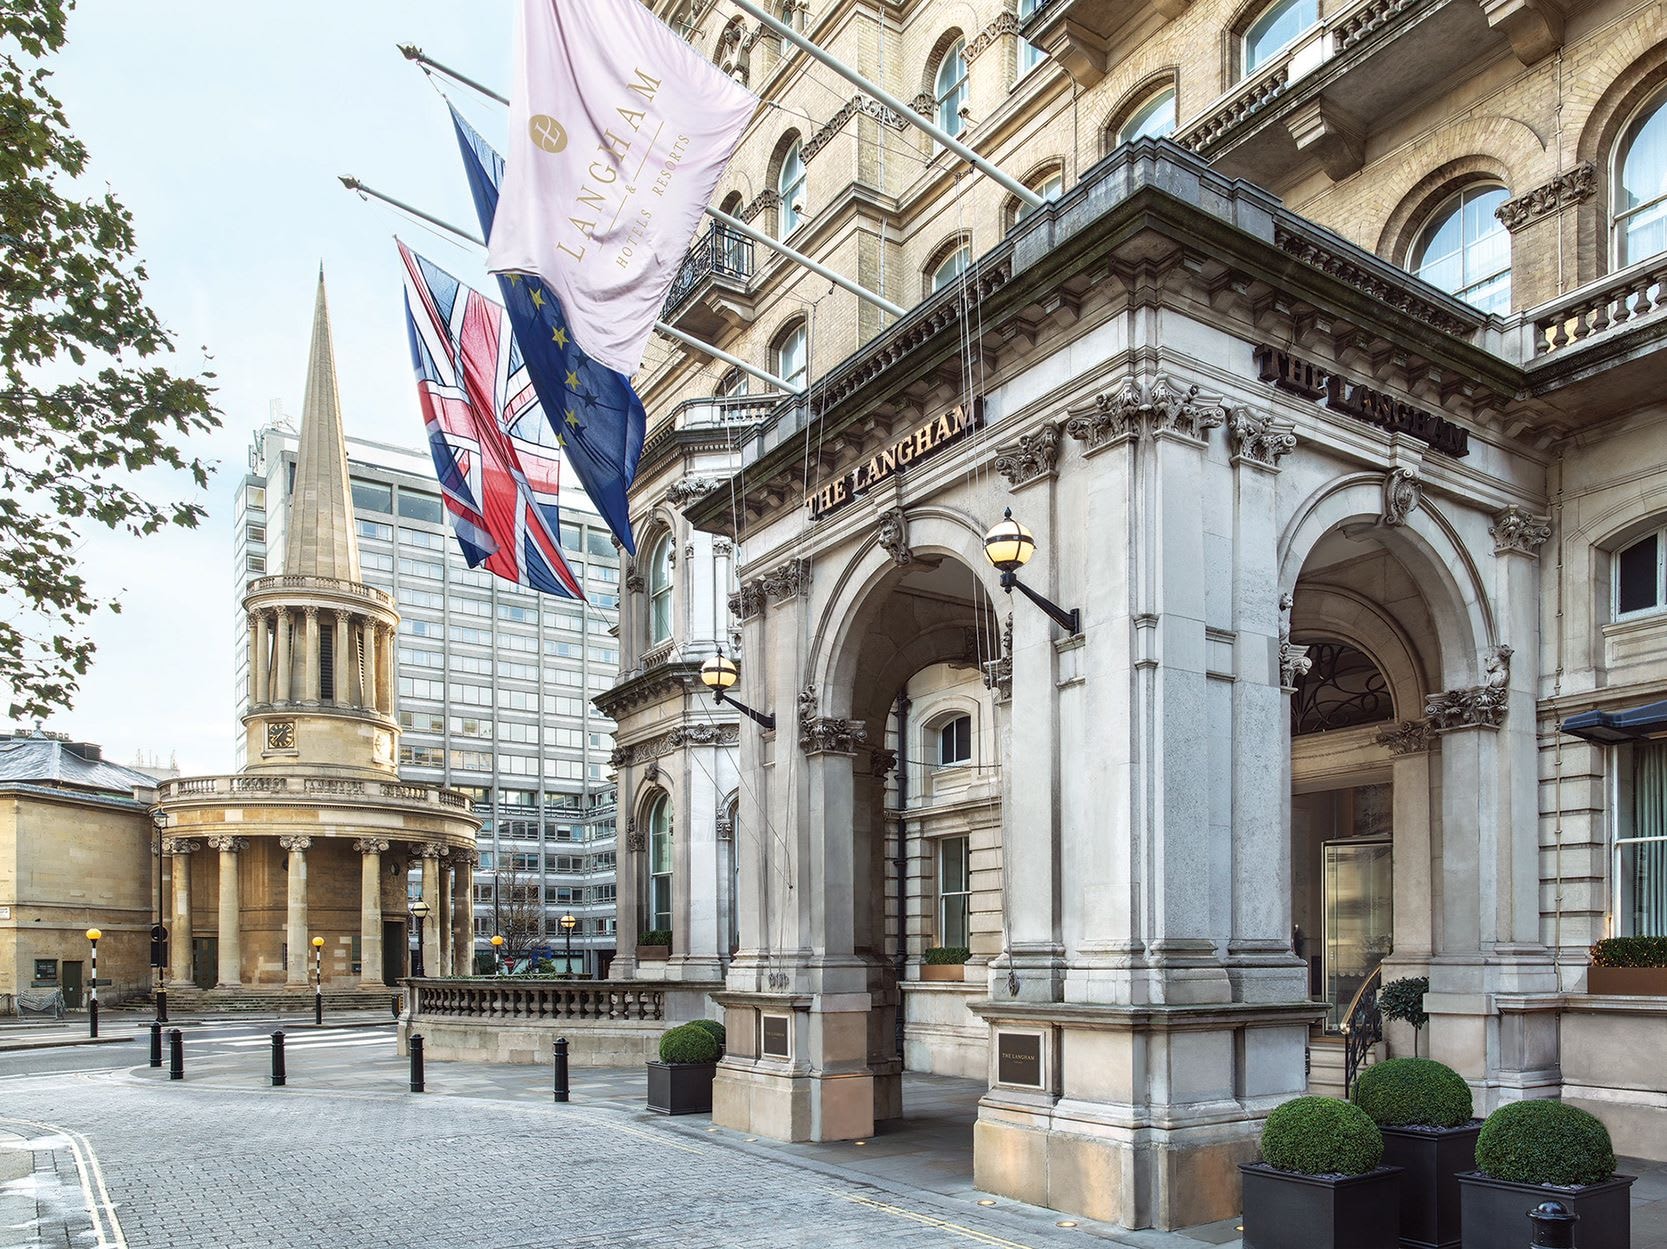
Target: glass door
[(1359, 885)]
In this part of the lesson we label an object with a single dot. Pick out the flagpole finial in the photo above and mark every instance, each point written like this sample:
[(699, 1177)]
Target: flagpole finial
[(410, 51)]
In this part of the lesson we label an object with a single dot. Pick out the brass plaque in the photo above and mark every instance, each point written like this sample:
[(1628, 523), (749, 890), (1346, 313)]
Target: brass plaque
[(775, 1042), (1019, 1059)]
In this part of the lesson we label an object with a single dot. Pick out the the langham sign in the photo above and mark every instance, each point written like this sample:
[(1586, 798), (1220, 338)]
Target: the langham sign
[(1302, 377), (930, 438)]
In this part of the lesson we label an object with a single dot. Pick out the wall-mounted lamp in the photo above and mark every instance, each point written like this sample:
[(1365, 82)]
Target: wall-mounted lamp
[(1009, 546), (719, 674)]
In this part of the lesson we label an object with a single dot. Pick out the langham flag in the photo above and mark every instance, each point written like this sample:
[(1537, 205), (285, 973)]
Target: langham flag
[(619, 133), (486, 432)]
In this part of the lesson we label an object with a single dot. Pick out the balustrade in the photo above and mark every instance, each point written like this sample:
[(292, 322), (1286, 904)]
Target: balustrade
[(1631, 295), (506, 998)]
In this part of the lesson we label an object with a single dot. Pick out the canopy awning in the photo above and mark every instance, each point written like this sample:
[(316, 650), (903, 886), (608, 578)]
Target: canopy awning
[(1611, 728)]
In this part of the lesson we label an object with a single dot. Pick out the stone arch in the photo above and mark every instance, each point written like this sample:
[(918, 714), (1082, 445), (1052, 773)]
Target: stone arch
[(1408, 219), (1132, 99), (1345, 615), (1631, 70), (1427, 545), (929, 75)]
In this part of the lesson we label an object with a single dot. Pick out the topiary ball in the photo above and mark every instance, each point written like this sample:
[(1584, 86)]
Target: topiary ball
[(688, 1044), (1321, 1136), (1544, 1142), (1414, 1093), (713, 1029)]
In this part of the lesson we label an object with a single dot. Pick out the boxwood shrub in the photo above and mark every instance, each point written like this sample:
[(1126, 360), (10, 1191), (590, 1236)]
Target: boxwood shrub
[(689, 1044), (655, 936), (1321, 1136), (1544, 1142), (940, 955), (714, 1029), (1413, 1093), (1630, 952)]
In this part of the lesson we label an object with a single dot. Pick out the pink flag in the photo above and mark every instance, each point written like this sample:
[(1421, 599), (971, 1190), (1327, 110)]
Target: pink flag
[(619, 133)]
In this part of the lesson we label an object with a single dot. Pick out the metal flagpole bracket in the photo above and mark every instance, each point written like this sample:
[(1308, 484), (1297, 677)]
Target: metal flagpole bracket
[(844, 283)]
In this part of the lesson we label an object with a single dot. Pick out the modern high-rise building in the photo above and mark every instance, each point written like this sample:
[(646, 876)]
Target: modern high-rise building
[(494, 687)]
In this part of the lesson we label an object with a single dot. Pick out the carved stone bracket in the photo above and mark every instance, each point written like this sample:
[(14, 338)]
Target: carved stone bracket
[(1005, 23), (295, 843), (1032, 458), (1294, 662), (1519, 531), (226, 844), (725, 828), (1128, 411), (1262, 440), (787, 582), (882, 763), (832, 735), (857, 104), (690, 489), (633, 579), (1409, 737), (894, 536), (372, 845), (925, 104), (998, 673), (1477, 706), (635, 842), (1322, 130), (1566, 189), (183, 845), (1534, 27), (722, 547), (1402, 494), (748, 601)]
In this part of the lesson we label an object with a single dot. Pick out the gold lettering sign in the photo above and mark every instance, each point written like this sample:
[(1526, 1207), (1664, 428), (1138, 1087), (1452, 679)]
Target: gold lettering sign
[(926, 441), (1312, 381), (1019, 1059)]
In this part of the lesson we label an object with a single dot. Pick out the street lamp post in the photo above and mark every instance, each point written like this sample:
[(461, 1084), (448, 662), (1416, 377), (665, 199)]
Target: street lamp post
[(159, 932), (497, 955), (93, 935), (568, 924), (1008, 546), (719, 674), (419, 912), (318, 981)]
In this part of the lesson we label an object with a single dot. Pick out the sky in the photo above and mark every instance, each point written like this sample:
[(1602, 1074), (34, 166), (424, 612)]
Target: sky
[(223, 127)]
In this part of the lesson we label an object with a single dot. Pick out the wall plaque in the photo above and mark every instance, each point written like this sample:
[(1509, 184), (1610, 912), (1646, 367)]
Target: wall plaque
[(1019, 1059), (928, 440), (775, 1042), (1312, 381)]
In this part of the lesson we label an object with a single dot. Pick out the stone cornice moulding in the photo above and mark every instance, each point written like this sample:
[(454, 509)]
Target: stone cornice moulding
[(658, 747)]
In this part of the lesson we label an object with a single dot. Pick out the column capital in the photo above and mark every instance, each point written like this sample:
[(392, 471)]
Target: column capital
[(311, 611), (293, 844), (1475, 706), (432, 850), (1518, 531), (1409, 737), (342, 615), (183, 845), (372, 845), (1260, 438), (228, 845)]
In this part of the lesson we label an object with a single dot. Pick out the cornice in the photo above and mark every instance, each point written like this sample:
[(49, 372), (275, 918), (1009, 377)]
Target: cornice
[(678, 677)]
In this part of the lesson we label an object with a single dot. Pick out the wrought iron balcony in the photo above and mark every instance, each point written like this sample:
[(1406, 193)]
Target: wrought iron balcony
[(719, 259)]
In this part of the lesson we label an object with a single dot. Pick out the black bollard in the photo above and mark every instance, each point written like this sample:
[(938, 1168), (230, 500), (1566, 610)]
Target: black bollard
[(561, 1069), (155, 1044), (395, 1005), (176, 1054), (279, 1076), (1553, 1226), (92, 1012), (416, 1064)]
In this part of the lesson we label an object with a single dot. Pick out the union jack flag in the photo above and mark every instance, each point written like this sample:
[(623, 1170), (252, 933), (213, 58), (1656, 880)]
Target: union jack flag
[(500, 479)]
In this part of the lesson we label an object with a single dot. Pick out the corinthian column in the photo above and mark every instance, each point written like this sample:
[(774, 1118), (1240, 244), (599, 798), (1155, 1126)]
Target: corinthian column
[(431, 856), (340, 662), (370, 850), (310, 657), (179, 941), (368, 696), (463, 911), (282, 691), (296, 932), (231, 912)]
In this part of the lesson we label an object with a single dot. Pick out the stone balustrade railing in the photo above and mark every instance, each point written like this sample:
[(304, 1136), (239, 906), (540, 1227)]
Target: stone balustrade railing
[(330, 585), (1251, 98), (1599, 308), (330, 787), (507, 998), (1353, 25)]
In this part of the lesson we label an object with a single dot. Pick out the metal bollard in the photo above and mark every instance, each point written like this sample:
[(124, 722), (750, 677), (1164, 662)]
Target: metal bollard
[(561, 1068), (279, 1075), (1553, 1226), (395, 1005), (155, 1044), (416, 1044), (176, 1054)]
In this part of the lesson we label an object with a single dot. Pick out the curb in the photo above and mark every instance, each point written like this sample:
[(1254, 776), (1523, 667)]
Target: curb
[(53, 1045)]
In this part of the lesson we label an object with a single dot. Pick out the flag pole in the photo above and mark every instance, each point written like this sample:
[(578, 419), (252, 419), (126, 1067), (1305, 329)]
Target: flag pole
[(469, 236), (943, 137), (413, 53), (844, 283)]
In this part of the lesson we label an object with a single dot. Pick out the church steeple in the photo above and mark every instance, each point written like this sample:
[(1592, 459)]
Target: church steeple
[(321, 541)]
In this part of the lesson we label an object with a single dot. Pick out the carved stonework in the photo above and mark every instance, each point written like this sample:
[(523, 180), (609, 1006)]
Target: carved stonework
[(635, 842), (431, 850), (766, 202), (183, 845), (227, 845), (1128, 411), (1402, 494), (372, 845), (1112, 417), (1185, 412), (620, 757), (894, 536), (858, 103), (467, 857), (726, 828), (292, 844), (808, 707), (748, 601), (1478, 705), (1342, 266), (832, 735), (689, 490), (925, 104), (1294, 662), (660, 746), (722, 547), (1516, 529), (998, 673), (1260, 439), (633, 579), (1409, 737), (1006, 23), (882, 763), (1033, 456), (787, 582), (1572, 187)]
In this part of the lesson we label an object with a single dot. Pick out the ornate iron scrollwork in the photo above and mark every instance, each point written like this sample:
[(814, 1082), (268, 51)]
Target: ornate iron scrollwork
[(1342, 688)]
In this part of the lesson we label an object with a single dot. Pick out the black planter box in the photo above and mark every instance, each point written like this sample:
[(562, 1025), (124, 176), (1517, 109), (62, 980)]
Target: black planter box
[(1496, 1212), (1283, 1210), (680, 1088), (1430, 1160)]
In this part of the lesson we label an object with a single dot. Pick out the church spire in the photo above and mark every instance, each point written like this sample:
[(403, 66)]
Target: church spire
[(321, 540)]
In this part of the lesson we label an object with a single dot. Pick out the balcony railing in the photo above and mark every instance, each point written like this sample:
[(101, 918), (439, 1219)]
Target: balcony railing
[(331, 585), (494, 997), (1620, 300), (720, 252), (314, 786)]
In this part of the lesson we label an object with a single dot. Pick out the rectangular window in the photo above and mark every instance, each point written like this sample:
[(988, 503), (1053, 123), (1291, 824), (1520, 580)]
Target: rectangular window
[(257, 533), (421, 722), (414, 506), (412, 627), (600, 544), (418, 658), (257, 497), (257, 563), (517, 700), (1638, 576), (371, 496), (46, 969), (422, 598), (410, 687), (419, 538), (478, 665), (955, 742), (1641, 851), (470, 726), (422, 756), (571, 539), (376, 561), (954, 891), (421, 568), (374, 529)]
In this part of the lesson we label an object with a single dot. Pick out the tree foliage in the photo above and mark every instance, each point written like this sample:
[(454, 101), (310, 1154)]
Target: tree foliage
[(85, 401)]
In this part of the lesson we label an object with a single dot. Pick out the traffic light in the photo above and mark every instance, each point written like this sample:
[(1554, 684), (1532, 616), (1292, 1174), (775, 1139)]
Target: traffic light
[(158, 946)]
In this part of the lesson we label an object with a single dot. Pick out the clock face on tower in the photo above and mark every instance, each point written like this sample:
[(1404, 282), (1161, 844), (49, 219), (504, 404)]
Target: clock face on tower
[(384, 747), (280, 735)]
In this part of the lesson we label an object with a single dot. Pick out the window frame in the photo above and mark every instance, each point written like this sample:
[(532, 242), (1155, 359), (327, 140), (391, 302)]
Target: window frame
[(661, 832), (661, 580), (951, 122), (778, 354), (1147, 102), (1247, 70), (959, 899), (792, 161), (1653, 107), (947, 726), (1451, 205), (1030, 56), (1657, 608), (937, 279), (1623, 835)]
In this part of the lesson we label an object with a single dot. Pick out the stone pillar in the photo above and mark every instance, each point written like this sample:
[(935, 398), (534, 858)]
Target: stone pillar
[(231, 912), (463, 912), (340, 662), (431, 856), (296, 932), (368, 695), (260, 659), (385, 670), (282, 691), (180, 971), (443, 906), (310, 656), (370, 851)]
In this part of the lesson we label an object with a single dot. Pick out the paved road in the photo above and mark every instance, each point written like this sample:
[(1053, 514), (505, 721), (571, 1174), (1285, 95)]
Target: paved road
[(119, 1156)]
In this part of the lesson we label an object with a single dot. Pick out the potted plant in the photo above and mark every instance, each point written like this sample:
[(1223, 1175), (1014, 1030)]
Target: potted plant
[(713, 1029), (1404, 1000), (1320, 1184), (681, 1082), (654, 945), (1630, 966), (1424, 1111), (1535, 1151), (945, 962)]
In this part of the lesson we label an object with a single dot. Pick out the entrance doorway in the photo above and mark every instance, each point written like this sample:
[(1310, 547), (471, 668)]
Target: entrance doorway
[(393, 951), (205, 961), (74, 984), (1343, 904)]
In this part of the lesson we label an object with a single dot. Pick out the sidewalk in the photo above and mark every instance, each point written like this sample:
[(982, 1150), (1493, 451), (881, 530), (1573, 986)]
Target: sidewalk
[(41, 1198)]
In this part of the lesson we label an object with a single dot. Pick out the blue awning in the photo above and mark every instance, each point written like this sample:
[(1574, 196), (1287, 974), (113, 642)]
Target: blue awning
[(1614, 727)]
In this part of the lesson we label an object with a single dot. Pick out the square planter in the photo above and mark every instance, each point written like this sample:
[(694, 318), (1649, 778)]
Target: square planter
[(1430, 1160), (943, 971), (1283, 1210), (1496, 1211), (680, 1088), (653, 953), (1627, 981)]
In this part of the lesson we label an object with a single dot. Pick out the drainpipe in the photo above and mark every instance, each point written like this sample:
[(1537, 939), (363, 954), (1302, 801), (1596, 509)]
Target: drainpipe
[(900, 863)]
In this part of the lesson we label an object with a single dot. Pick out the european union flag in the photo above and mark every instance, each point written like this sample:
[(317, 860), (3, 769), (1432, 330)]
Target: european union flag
[(598, 419)]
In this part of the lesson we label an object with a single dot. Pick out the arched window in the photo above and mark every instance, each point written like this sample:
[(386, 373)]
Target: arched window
[(737, 251), (1466, 250), (659, 591), (950, 87), (1341, 690), (955, 742), (1154, 119), (1639, 212), (1641, 576), (790, 186), (1030, 56), (951, 267), (1277, 29), (1051, 188), (731, 384), (659, 863), (792, 359)]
